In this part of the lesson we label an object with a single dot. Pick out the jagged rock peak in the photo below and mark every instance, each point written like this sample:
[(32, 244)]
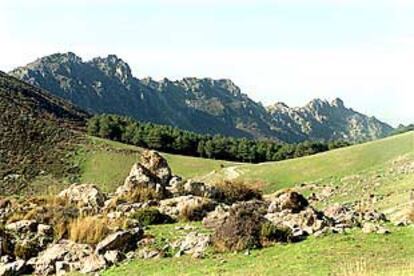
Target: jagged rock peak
[(192, 83), (68, 57), (338, 103), (278, 106), (113, 66)]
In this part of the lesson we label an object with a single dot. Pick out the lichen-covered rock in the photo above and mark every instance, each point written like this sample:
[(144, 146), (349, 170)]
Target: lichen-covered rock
[(84, 195)]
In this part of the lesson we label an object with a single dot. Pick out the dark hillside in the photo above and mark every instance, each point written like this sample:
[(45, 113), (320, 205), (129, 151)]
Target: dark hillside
[(37, 130)]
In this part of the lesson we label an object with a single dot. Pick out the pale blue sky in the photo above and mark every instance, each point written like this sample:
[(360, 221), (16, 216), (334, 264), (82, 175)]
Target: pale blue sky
[(281, 50)]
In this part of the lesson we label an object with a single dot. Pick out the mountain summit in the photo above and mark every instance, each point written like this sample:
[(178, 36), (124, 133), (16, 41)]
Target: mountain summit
[(106, 85)]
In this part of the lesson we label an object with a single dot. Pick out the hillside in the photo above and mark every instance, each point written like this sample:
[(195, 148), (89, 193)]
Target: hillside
[(336, 163), (203, 105), (377, 174), (36, 132)]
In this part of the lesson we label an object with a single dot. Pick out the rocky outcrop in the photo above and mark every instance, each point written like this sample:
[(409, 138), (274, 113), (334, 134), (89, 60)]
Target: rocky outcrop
[(183, 206), (152, 172), (323, 120)]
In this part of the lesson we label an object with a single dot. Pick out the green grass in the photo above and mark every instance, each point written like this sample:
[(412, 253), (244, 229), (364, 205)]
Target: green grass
[(315, 256), (336, 163), (107, 163), (382, 168)]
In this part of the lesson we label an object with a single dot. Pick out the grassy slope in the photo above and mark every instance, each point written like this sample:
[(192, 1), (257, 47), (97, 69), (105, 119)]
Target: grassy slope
[(108, 163), (315, 256), (337, 163), (381, 168)]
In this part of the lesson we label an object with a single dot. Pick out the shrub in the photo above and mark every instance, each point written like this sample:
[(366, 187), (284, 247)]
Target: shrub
[(232, 191), (90, 230), (273, 233), (149, 216), (140, 194), (195, 212), (240, 230)]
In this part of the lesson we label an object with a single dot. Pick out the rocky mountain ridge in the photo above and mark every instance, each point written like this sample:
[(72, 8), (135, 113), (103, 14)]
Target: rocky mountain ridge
[(107, 85)]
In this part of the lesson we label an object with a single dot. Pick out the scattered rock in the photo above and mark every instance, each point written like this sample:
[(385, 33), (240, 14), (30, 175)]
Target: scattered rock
[(288, 200), (18, 267), (92, 263), (22, 226), (123, 241), (193, 244), (114, 256), (84, 195)]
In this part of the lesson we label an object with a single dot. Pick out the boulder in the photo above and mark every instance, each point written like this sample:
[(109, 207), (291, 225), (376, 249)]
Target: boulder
[(123, 241), (176, 186), (65, 250), (92, 263), (22, 226), (141, 177), (288, 200), (157, 165), (84, 195)]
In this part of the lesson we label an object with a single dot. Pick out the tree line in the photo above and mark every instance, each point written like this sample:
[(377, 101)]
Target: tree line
[(173, 140)]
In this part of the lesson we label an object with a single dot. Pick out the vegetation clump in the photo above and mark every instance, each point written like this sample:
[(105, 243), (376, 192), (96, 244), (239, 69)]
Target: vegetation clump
[(150, 216), (273, 233), (240, 230), (195, 212), (89, 230), (230, 191)]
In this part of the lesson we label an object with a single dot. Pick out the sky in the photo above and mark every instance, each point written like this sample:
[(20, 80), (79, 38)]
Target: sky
[(275, 50)]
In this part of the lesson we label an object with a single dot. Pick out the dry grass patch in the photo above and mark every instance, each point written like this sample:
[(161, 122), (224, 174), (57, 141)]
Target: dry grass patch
[(89, 230), (230, 191)]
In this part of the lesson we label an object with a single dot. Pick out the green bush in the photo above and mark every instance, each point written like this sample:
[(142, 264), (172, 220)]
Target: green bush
[(274, 233), (149, 216)]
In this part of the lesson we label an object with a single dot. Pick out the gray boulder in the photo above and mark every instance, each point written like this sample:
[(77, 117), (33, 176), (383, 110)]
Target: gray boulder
[(84, 195), (123, 241)]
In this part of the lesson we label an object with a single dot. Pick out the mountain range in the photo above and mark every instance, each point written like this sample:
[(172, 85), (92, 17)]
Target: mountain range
[(107, 85)]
